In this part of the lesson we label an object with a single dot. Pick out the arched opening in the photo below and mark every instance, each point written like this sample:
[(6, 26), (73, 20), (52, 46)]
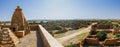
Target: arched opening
[(13, 29)]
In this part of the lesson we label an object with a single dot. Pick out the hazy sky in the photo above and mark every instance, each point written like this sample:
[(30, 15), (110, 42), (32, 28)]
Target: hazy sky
[(62, 9)]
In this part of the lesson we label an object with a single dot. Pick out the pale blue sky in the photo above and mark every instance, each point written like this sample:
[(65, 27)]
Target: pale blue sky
[(61, 9)]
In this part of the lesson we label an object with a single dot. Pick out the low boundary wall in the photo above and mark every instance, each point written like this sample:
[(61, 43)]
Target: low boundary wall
[(33, 27), (47, 39)]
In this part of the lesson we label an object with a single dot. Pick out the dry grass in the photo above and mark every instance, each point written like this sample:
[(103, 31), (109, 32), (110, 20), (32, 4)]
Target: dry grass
[(110, 36), (76, 39), (66, 33)]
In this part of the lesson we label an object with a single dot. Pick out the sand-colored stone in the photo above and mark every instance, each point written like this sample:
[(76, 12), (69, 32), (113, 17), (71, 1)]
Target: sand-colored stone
[(20, 33), (7, 38), (19, 27), (93, 40), (19, 22)]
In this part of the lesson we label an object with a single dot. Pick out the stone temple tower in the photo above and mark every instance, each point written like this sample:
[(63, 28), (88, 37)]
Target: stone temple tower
[(18, 22)]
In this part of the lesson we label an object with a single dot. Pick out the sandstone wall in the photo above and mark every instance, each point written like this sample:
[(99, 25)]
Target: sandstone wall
[(47, 39), (104, 26), (5, 26), (33, 27)]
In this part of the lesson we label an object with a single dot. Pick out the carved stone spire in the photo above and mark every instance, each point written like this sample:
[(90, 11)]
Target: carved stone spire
[(18, 20), (18, 8)]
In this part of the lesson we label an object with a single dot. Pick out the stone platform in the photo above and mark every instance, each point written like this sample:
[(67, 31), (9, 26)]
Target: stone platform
[(30, 40)]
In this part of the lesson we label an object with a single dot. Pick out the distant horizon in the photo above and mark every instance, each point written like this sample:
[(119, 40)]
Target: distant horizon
[(61, 9), (60, 19)]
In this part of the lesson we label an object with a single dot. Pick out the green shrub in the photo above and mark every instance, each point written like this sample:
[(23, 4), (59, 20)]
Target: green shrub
[(102, 35), (50, 32), (58, 27), (118, 36), (116, 25), (71, 45)]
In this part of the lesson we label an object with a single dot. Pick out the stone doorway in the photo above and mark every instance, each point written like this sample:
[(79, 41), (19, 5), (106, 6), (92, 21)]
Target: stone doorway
[(13, 29)]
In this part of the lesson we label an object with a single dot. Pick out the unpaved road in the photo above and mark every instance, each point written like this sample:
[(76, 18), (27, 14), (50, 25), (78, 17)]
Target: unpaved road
[(64, 39)]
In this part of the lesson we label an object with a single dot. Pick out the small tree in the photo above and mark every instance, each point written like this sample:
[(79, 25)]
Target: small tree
[(118, 36), (58, 28), (102, 35), (116, 25)]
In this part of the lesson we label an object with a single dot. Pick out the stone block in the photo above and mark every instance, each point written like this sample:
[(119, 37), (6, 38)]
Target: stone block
[(20, 33)]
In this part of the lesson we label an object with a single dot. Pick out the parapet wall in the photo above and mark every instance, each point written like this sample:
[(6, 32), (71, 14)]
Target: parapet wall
[(104, 26), (33, 27), (47, 39), (5, 26)]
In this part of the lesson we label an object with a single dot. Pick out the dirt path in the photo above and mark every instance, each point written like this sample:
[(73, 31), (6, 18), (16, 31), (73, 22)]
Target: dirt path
[(63, 39)]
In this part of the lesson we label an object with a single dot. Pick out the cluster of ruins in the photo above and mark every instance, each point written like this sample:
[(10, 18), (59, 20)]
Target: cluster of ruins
[(94, 40)]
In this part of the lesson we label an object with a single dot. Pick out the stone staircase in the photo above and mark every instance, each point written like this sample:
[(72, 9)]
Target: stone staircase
[(7, 38)]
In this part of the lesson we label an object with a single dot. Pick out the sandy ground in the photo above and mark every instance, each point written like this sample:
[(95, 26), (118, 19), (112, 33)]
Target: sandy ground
[(30, 40)]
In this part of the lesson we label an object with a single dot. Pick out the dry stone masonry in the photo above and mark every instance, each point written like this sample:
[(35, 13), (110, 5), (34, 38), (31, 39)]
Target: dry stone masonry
[(7, 38), (19, 24)]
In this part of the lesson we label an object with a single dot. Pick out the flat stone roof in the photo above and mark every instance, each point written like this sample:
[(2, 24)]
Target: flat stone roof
[(30, 40)]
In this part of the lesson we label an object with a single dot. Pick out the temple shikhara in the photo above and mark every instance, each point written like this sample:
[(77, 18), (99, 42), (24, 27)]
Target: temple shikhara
[(19, 24)]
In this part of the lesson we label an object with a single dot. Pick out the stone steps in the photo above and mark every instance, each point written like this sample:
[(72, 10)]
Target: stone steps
[(8, 45), (7, 38), (4, 35)]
